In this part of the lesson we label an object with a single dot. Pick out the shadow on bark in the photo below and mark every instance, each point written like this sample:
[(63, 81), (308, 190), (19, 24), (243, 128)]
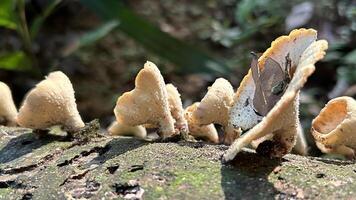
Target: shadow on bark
[(24, 144), (246, 177)]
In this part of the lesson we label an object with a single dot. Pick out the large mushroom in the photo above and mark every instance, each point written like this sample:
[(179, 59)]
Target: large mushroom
[(296, 55), (50, 103), (334, 128), (8, 109), (147, 103)]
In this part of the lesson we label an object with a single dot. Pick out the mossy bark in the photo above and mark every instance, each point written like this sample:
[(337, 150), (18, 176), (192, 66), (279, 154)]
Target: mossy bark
[(108, 168)]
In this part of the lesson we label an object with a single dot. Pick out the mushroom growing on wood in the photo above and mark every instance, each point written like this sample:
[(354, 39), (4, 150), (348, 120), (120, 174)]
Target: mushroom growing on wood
[(8, 109), (119, 129), (147, 103), (50, 103), (176, 108), (214, 108), (334, 129), (207, 132), (267, 101)]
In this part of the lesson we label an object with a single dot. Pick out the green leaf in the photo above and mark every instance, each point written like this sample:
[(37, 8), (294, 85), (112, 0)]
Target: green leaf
[(91, 37), (350, 58), (7, 17), (38, 21), (187, 57), (16, 61)]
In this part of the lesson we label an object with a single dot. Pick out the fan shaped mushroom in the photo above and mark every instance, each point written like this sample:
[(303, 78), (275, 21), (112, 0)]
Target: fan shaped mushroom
[(300, 51), (51, 102), (8, 109), (147, 103), (214, 108), (334, 128), (207, 132), (119, 129), (176, 108)]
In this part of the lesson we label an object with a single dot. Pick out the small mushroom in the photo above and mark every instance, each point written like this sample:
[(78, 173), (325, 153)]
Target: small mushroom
[(119, 129), (214, 108), (207, 132), (301, 51), (51, 102), (8, 109), (147, 103), (334, 128), (176, 108)]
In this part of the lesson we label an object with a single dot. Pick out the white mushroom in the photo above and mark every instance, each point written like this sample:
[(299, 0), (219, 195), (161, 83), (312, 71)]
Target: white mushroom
[(176, 108), (147, 103), (299, 49), (119, 129), (334, 129), (50, 103), (8, 109), (214, 108), (207, 132)]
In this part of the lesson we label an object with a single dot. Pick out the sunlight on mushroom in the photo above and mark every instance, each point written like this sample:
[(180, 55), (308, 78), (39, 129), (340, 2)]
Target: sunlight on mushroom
[(8, 109), (123, 130), (147, 103), (207, 132), (334, 128), (297, 52), (51, 102)]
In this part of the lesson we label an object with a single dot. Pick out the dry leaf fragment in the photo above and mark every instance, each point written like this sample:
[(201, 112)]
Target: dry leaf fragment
[(282, 121), (334, 128)]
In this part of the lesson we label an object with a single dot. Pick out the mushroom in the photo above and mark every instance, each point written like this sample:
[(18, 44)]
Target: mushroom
[(176, 108), (147, 103), (214, 108), (120, 129), (300, 51), (8, 109), (334, 128), (50, 103), (207, 132)]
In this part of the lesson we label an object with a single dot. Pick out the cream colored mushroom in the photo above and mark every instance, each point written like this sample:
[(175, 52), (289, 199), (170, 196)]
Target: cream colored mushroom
[(207, 132), (8, 109), (334, 129), (119, 129), (147, 103), (282, 120), (176, 108), (214, 108), (50, 103)]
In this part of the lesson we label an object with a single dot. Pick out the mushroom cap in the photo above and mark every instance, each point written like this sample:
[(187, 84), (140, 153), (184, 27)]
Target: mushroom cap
[(8, 111), (51, 102), (176, 108), (282, 120), (147, 103), (335, 125), (214, 107), (120, 129), (200, 131)]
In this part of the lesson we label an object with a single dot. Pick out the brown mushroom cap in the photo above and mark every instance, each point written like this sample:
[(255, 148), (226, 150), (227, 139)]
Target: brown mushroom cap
[(334, 128), (282, 121), (119, 129), (8, 109), (147, 103), (51, 102), (200, 131)]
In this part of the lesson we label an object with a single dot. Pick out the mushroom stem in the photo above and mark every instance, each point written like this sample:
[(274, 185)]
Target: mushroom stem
[(8, 111)]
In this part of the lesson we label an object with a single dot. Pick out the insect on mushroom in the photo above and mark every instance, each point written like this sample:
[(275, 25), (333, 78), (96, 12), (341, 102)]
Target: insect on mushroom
[(271, 82)]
